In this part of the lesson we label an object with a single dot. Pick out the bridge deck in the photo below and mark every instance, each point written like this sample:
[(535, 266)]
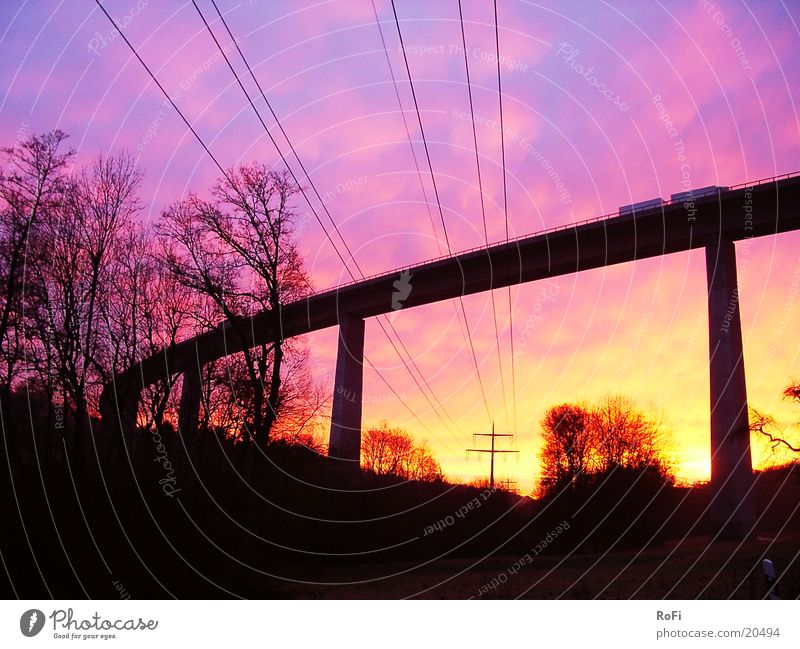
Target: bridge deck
[(745, 211)]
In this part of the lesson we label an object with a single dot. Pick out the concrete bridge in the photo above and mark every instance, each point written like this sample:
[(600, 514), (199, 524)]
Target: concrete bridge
[(713, 222)]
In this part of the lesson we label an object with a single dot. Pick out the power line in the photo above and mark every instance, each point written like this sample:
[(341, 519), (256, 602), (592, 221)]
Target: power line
[(421, 185), (472, 116), (200, 139), (405, 125), (272, 139), (439, 203), (166, 94), (505, 208), (502, 130), (311, 182), (483, 205), (225, 174), (421, 127)]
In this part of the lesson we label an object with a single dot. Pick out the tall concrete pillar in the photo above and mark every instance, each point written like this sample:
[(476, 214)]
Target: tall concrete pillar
[(733, 509), (345, 439), (189, 412)]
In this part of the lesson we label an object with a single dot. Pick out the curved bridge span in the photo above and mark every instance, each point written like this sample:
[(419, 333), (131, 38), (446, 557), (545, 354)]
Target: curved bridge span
[(713, 223)]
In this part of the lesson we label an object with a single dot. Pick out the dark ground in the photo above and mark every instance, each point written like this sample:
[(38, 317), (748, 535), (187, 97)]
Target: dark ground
[(245, 525), (694, 568)]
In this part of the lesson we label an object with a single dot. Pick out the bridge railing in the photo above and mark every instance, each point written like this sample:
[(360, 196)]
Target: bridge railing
[(537, 233)]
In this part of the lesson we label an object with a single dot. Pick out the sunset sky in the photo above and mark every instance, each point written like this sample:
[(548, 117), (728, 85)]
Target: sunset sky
[(579, 142)]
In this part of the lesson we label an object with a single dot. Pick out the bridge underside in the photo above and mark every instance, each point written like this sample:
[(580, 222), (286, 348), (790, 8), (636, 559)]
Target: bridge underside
[(713, 223)]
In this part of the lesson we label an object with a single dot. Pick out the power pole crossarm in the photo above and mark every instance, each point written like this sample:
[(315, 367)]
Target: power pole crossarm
[(493, 451)]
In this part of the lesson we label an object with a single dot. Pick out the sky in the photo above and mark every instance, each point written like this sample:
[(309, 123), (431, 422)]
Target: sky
[(587, 89)]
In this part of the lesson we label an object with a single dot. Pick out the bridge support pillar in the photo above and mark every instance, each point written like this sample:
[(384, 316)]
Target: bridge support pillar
[(345, 438), (189, 412), (733, 508)]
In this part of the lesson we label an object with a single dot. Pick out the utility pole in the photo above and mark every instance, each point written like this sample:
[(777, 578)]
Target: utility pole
[(508, 484), (492, 451)]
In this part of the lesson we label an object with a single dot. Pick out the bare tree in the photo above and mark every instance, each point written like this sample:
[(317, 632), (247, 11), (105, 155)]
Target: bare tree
[(147, 311), (237, 249), (30, 189), (76, 277), (567, 449), (87, 291), (422, 465), (582, 440), (622, 436), (302, 403), (767, 426), (392, 451), (791, 393)]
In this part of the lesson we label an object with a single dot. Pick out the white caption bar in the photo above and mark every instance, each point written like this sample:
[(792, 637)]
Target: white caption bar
[(400, 625)]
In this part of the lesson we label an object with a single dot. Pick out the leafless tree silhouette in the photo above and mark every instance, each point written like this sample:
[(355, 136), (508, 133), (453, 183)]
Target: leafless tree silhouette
[(766, 425), (624, 436), (72, 284), (88, 290), (237, 249), (582, 440), (31, 189), (566, 451), (392, 451)]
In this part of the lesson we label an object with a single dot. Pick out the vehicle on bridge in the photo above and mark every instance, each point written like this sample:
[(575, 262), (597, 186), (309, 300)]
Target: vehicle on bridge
[(640, 206), (690, 195), (694, 194)]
